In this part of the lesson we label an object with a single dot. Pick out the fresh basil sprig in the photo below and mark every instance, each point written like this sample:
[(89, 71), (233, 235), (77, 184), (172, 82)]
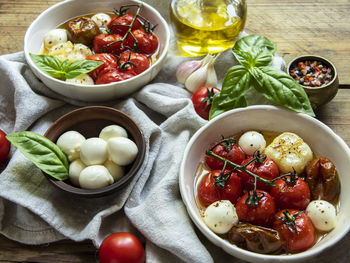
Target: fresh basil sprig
[(63, 69), (45, 154), (255, 54)]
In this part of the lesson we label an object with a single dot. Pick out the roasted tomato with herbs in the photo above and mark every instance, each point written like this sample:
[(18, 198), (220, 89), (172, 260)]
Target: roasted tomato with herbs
[(296, 228), (114, 76), (120, 24), (105, 43), (142, 42), (134, 61), (257, 209), (202, 99), (82, 30), (291, 192), (219, 185), (109, 64), (228, 149)]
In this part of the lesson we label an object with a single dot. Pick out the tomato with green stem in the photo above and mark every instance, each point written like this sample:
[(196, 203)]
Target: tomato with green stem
[(202, 100), (5, 146)]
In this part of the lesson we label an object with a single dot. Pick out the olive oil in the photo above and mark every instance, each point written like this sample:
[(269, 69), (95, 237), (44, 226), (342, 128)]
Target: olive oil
[(206, 26)]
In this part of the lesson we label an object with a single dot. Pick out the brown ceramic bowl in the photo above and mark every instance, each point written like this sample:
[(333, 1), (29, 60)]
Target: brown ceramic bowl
[(319, 95), (89, 121)]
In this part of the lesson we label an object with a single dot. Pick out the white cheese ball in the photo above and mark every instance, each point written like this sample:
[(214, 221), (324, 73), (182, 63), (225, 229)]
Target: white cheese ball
[(122, 150), (54, 37), (95, 176), (93, 151), (101, 19), (83, 79), (289, 151), (252, 141), (74, 171), (220, 216), (70, 143), (322, 214), (85, 51), (114, 169), (112, 131)]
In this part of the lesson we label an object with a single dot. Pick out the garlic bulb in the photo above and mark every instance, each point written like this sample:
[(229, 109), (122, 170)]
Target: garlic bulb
[(195, 74)]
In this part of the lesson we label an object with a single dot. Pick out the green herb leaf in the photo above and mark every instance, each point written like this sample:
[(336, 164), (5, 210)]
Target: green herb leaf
[(45, 154), (63, 69), (277, 86), (257, 42), (256, 59), (236, 84)]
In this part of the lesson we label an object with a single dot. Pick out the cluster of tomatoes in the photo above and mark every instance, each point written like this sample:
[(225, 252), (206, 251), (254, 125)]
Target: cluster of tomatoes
[(125, 51), (278, 207)]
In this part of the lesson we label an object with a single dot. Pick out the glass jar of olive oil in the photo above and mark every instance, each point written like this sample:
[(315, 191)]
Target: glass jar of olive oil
[(207, 26)]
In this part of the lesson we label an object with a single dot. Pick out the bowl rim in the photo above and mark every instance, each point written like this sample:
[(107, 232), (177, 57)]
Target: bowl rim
[(226, 245), (161, 57), (319, 58), (135, 167)]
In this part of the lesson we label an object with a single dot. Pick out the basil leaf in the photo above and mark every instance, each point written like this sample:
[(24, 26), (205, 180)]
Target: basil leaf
[(257, 58), (277, 86), (80, 67), (249, 42), (45, 154), (236, 84), (50, 65)]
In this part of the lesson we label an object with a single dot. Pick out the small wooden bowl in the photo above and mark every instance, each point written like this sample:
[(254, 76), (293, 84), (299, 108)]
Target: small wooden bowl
[(319, 96), (89, 121)]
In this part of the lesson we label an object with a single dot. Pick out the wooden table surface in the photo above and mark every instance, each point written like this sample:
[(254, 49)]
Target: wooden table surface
[(299, 27)]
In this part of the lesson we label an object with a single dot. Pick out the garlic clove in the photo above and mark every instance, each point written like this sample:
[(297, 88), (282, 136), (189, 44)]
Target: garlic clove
[(212, 79), (197, 79), (186, 69)]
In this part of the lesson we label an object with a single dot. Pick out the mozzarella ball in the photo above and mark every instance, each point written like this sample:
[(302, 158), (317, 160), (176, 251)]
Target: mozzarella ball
[(220, 216), (95, 176), (252, 141), (70, 143), (101, 19), (74, 171), (85, 51), (93, 151), (54, 37), (83, 79), (114, 169), (112, 131), (289, 151), (322, 214), (122, 150)]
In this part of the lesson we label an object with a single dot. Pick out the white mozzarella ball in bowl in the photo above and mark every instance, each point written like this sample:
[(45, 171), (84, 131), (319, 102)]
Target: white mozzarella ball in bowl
[(322, 214), (70, 143), (112, 131), (74, 171), (114, 169), (122, 150), (54, 37), (252, 141), (95, 176), (101, 19), (93, 151), (220, 216)]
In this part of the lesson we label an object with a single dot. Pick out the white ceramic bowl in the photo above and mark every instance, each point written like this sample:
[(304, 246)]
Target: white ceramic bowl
[(64, 11), (322, 140)]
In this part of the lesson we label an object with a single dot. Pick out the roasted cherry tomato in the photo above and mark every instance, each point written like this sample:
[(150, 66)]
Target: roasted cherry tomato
[(82, 30), (5, 146), (296, 228), (208, 192), (119, 24), (109, 63), (105, 43), (114, 76), (146, 43), (134, 61), (228, 150), (267, 170), (121, 247), (262, 214), (202, 99), (291, 193)]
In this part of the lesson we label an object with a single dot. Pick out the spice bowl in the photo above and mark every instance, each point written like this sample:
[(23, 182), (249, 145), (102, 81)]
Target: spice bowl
[(319, 78), (89, 121)]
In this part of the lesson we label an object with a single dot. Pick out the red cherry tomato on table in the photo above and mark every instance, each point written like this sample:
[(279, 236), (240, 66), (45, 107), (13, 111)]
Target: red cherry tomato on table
[(114, 76), (231, 152), (299, 239), (121, 247), (105, 43), (109, 63), (147, 43), (139, 62), (208, 193), (267, 170), (119, 24), (202, 99), (291, 195), (5, 146), (262, 214)]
